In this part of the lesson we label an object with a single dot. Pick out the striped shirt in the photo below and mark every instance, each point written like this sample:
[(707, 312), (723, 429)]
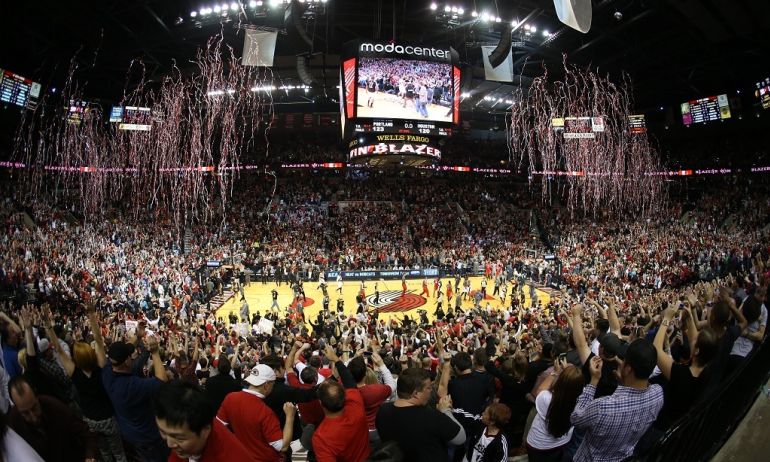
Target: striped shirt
[(615, 423)]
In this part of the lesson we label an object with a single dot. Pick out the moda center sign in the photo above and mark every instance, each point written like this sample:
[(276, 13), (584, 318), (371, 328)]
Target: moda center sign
[(366, 48)]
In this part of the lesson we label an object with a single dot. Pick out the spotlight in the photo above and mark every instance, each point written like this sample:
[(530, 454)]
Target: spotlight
[(447, 9), (460, 11), (193, 14), (617, 15), (234, 6), (514, 23), (546, 33), (454, 9), (533, 29), (433, 6), (485, 16), (217, 9), (498, 19), (527, 27), (474, 14)]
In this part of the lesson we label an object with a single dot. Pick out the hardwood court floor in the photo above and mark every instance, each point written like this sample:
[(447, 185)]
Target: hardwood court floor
[(391, 303)]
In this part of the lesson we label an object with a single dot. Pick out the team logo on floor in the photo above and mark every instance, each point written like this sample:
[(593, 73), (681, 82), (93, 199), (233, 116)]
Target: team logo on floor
[(392, 300), (305, 303)]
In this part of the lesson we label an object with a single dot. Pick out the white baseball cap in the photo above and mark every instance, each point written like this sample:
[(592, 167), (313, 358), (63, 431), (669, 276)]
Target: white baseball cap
[(260, 374)]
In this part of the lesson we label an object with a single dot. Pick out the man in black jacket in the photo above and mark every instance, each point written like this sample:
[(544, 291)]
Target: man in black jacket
[(222, 384)]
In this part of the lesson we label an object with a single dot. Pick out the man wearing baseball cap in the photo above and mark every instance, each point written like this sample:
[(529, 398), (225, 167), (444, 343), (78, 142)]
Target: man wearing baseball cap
[(131, 396), (253, 422)]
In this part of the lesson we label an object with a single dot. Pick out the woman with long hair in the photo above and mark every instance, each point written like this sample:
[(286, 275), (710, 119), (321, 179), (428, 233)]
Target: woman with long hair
[(554, 402), (85, 369)]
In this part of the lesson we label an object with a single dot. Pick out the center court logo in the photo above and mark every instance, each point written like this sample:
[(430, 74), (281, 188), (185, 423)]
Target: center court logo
[(392, 301)]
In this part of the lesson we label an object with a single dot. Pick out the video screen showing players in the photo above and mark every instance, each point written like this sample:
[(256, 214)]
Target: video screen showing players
[(392, 88)]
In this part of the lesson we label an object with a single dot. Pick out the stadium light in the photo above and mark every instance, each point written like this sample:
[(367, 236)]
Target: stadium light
[(193, 14), (485, 16), (447, 9), (498, 19), (217, 9), (474, 14), (460, 10), (514, 23), (433, 6), (533, 29), (546, 33), (252, 4), (234, 6)]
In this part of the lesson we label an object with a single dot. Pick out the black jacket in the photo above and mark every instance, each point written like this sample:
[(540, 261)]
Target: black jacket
[(219, 386), (495, 451)]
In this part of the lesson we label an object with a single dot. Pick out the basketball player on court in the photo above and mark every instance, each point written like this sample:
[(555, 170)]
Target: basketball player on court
[(339, 282), (425, 288), (403, 285), (371, 89)]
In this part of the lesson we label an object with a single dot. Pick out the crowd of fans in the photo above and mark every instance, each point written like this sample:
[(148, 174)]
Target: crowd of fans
[(111, 350)]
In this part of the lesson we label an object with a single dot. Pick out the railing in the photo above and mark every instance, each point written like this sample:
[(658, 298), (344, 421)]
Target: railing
[(700, 434)]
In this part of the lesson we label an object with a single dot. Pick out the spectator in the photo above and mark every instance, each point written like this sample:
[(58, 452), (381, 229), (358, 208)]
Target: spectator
[(222, 384), (470, 393), (373, 394), (185, 419), (343, 434), (421, 432), (131, 396), (86, 374), (554, 402), (52, 429), (252, 422), (13, 446), (490, 444), (605, 420)]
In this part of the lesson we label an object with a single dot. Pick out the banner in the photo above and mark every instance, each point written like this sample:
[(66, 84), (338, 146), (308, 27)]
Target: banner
[(383, 274)]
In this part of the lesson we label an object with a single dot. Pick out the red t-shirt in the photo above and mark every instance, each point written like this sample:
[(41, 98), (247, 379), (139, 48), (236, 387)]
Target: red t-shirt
[(344, 438), (310, 412), (253, 423), (373, 395), (221, 445)]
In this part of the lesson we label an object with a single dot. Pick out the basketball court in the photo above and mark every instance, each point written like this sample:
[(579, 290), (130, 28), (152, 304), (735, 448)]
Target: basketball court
[(389, 106), (391, 303)]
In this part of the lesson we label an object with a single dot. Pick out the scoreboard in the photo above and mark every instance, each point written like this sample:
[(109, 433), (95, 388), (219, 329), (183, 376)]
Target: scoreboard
[(704, 110), (406, 127), (18, 90)]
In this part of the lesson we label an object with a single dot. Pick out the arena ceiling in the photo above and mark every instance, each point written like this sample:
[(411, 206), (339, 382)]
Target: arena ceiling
[(673, 50)]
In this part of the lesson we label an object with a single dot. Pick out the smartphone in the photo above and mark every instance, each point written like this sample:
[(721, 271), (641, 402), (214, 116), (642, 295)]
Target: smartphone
[(367, 353), (563, 357)]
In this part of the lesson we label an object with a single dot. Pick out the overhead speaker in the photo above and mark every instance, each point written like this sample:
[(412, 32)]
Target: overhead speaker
[(503, 49), (303, 70), (293, 20), (574, 13)]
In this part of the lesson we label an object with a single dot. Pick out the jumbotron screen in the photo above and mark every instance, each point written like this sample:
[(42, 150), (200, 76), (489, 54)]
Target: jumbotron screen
[(704, 110), (399, 88), (762, 93)]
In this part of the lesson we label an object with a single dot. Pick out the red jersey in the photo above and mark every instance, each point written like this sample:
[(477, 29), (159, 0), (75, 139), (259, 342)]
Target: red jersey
[(344, 438), (253, 423), (373, 395), (310, 412), (221, 445)]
